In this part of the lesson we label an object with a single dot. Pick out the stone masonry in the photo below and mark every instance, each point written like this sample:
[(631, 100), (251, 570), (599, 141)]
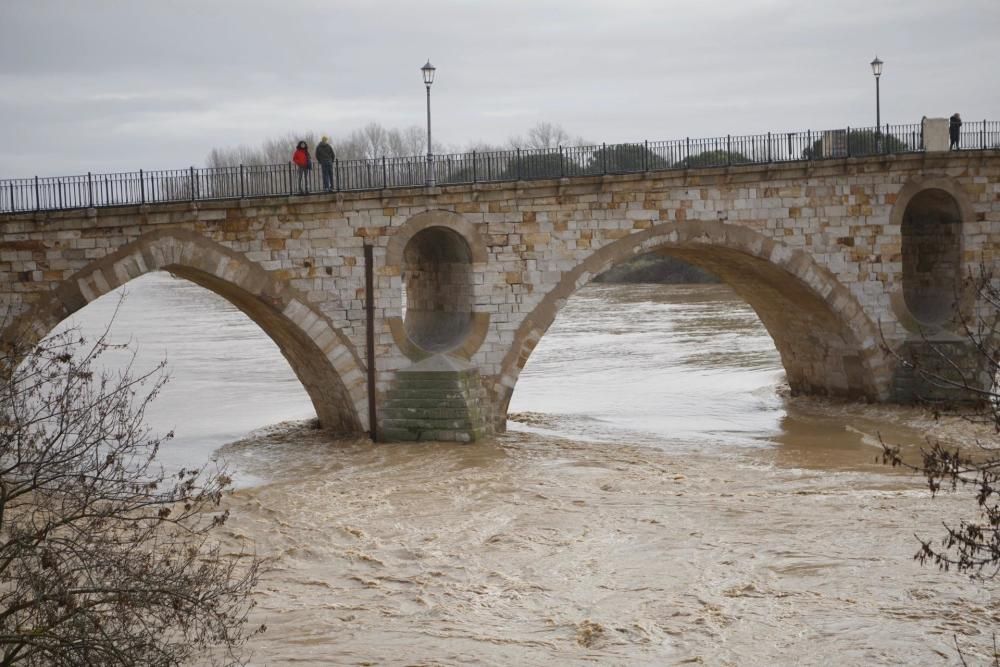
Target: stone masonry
[(835, 256)]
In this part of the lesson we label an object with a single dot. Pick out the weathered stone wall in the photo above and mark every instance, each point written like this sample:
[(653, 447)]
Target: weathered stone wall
[(815, 248)]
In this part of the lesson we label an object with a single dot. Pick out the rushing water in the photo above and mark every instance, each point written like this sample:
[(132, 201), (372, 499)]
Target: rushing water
[(658, 499)]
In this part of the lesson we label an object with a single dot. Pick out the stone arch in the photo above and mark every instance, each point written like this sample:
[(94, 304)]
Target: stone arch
[(436, 254), (321, 356), (828, 347), (929, 213)]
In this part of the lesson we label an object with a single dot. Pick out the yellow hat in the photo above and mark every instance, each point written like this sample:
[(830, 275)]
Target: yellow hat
[(326, 138)]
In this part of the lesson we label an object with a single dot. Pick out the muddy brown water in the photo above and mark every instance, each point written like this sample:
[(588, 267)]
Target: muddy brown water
[(658, 499)]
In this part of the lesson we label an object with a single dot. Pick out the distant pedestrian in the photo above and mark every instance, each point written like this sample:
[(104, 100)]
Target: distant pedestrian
[(325, 156), (302, 160), (955, 130)]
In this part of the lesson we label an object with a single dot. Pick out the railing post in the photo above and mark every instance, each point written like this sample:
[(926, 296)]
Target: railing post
[(519, 163), (645, 155), (289, 170), (90, 189), (142, 188), (473, 166), (847, 141), (984, 134), (562, 163), (191, 176), (769, 147), (604, 158), (729, 150), (12, 196), (60, 190), (336, 174), (687, 157), (243, 187), (385, 175), (809, 143), (38, 198)]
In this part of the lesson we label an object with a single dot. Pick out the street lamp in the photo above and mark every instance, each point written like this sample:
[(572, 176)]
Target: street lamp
[(428, 71), (877, 71)]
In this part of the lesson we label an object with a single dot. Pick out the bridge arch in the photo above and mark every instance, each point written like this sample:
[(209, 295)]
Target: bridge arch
[(826, 342), (929, 213), (320, 356), (436, 254)]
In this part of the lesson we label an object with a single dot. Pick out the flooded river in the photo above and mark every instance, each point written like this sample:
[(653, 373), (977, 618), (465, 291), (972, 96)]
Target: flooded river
[(658, 500)]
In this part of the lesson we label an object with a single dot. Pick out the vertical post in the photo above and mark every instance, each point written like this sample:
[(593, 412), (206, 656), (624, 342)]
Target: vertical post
[(38, 198), (518, 163), (60, 188), (289, 170), (385, 175), (191, 176), (243, 184), (142, 188), (430, 155), (336, 174), (878, 106), (645, 155), (847, 141), (12, 196), (984, 134), (604, 158), (473, 166), (370, 339), (768, 146), (729, 149), (562, 163), (809, 143), (90, 189), (687, 158)]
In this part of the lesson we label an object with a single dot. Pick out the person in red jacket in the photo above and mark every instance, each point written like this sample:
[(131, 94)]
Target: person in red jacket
[(304, 163)]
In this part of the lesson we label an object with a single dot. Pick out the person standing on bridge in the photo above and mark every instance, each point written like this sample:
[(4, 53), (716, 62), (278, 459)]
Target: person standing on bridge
[(325, 156), (302, 160), (955, 130)]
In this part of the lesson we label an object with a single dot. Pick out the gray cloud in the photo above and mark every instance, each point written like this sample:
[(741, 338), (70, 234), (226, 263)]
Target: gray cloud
[(115, 85)]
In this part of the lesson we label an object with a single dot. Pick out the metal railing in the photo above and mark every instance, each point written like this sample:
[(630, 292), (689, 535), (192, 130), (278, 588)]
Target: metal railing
[(251, 181)]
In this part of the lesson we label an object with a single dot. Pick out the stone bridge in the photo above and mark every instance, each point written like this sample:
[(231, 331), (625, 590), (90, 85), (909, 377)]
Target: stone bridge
[(846, 261)]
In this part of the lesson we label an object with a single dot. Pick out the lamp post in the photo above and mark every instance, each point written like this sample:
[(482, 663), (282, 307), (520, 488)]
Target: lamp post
[(428, 71), (877, 71)]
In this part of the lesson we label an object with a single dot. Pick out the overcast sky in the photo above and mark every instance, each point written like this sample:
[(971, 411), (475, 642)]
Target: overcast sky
[(104, 85)]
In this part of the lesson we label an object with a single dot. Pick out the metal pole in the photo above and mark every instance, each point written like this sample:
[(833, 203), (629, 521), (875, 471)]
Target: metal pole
[(370, 339), (38, 198), (12, 196), (878, 109), (142, 188), (473, 166), (336, 174), (562, 163), (604, 158), (430, 155), (90, 188), (243, 184), (645, 155)]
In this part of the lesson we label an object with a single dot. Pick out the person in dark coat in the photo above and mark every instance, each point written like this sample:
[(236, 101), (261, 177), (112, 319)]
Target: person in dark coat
[(955, 130), (325, 156), (304, 163)]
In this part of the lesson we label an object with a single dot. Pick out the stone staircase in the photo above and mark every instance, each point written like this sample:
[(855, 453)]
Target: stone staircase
[(439, 398)]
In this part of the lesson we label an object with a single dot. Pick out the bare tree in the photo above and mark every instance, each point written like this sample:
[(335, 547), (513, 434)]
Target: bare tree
[(972, 546), (544, 135), (105, 558)]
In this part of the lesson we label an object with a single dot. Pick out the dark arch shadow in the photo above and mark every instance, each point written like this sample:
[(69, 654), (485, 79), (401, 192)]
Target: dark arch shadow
[(321, 357)]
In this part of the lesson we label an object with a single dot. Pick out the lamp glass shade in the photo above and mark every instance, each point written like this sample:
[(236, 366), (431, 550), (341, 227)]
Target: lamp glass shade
[(877, 67), (428, 71)]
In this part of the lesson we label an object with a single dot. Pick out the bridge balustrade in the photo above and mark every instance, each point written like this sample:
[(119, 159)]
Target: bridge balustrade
[(251, 181)]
